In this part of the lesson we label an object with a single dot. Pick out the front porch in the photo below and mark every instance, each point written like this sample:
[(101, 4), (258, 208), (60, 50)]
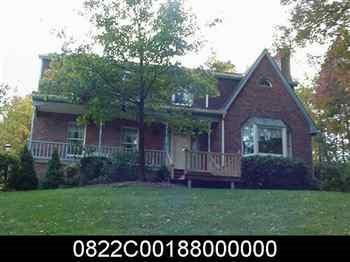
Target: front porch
[(199, 165)]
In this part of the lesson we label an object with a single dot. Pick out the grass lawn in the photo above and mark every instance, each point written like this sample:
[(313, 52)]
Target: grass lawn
[(157, 210)]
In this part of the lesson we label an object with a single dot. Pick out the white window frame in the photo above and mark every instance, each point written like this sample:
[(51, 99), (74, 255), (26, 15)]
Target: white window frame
[(256, 141), (122, 143), (83, 139), (187, 96)]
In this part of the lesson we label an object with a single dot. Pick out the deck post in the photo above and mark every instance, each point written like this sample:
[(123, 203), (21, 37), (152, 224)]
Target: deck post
[(222, 142), (100, 137), (232, 185), (32, 127), (189, 183)]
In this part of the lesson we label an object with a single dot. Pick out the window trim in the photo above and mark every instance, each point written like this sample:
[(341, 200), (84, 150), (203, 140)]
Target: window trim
[(265, 79), (185, 93), (256, 126), (137, 139), (83, 139)]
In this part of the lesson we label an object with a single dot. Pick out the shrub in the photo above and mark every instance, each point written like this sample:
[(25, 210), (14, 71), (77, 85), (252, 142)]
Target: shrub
[(72, 175), (124, 167), (162, 174), (25, 178), (9, 168), (94, 169), (333, 176), (54, 174), (274, 172)]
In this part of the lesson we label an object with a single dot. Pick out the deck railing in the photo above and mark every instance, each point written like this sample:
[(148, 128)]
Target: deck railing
[(42, 150), (214, 163)]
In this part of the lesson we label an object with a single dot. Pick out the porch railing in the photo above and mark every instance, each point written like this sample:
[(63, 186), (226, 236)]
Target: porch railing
[(42, 150), (214, 163)]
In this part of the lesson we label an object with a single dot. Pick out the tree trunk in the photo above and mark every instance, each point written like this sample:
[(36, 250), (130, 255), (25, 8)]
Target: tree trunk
[(141, 171)]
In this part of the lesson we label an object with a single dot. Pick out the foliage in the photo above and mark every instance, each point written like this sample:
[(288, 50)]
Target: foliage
[(9, 167), (54, 174), (15, 125), (317, 21), (72, 174), (94, 169), (274, 172), (4, 88), (139, 68), (333, 176), (163, 174), (124, 167), (218, 66), (26, 178)]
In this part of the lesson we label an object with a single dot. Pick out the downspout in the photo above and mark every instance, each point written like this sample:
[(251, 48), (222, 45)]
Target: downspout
[(100, 137)]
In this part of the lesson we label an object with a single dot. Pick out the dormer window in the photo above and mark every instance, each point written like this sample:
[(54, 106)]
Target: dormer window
[(265, 82), (182, 99)]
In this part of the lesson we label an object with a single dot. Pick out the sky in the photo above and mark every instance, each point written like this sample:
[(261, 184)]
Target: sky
[(27, 30)]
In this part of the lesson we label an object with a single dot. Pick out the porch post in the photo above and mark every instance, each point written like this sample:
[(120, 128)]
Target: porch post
[(100, 137), (209, 137), (222, 142), (31, 128)]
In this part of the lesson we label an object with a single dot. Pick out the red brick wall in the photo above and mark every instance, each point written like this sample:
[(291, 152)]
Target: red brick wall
[(272, 102)]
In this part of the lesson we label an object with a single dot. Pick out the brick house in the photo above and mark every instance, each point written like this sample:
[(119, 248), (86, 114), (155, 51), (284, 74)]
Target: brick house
[(255, 113)]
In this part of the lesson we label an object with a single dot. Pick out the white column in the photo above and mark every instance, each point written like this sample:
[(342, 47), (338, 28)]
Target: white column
[(223, 136), (222, 142), (32, 127), (209, 137), (284, 142), (100, 137), (256, 139)]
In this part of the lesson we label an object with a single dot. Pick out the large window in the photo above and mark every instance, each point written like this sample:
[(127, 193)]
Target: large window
[(75, 138), (265, 136), (130, 138)]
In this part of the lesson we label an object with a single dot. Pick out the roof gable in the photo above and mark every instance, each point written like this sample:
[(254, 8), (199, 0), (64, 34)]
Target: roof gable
[(265, 53)]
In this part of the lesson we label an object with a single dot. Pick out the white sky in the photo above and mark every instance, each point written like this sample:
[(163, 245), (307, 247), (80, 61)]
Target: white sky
[(26, 31)]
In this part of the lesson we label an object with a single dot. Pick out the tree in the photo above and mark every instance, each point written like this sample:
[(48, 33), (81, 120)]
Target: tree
[(317, 21), (215, 65), (54, 174), (139, 68), (4, 88), (15, 125), (332, 96), (26, 178)]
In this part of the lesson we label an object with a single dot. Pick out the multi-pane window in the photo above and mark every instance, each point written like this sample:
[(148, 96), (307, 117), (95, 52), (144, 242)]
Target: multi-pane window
[(248, 139), (182, 99), (130, 138), (270, 140), (75, 138), (265, 136)]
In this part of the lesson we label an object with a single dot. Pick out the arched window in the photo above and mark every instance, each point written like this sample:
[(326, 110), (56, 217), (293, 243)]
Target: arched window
[(265, 82), (265, 136)]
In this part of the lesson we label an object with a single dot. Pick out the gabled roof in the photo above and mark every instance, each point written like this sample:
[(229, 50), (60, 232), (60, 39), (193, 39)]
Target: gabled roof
[(286, 84)]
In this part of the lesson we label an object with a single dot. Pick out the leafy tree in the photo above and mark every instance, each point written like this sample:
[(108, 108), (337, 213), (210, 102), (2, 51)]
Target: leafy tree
[(15, 125), (139, 68), (54, 175), (332, 96), (317, 21), (4, 88), (215, 65), (26, 178)]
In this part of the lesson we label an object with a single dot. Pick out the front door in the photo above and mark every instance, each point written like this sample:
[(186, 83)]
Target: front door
[(179, 144)]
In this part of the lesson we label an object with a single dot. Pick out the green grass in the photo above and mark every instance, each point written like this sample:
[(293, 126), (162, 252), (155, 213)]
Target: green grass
[(155, 210)]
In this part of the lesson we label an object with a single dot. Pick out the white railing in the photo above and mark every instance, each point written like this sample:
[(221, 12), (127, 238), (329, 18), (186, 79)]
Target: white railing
[(43, 150), (214, 163)]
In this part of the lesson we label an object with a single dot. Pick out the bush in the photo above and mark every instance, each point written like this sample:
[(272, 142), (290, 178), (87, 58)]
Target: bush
[(124, 167), (72, 175), (25, 178), (274, 172), (333, 176), (94, 169), (54, 175), (9, 168)]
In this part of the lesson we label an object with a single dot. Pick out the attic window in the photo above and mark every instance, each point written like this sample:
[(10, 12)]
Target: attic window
[(265, 82)]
